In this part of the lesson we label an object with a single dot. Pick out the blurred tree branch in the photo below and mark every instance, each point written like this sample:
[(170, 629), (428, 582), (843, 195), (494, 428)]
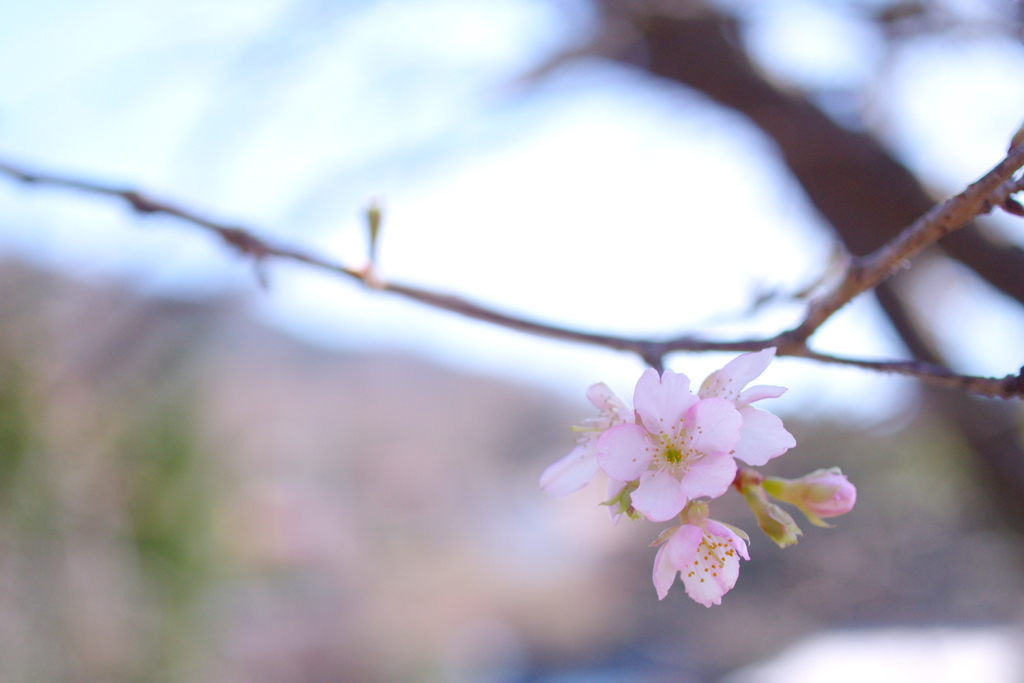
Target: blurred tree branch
[(866, 194), (862, 190)]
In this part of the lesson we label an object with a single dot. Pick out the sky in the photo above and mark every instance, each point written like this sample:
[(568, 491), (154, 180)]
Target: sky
[(594, 196)]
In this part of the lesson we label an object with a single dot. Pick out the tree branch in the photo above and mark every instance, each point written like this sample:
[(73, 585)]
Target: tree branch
[(861, 189), (869, 271), (874, 269)]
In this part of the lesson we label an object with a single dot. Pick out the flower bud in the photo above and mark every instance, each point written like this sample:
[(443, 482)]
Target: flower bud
[(373, 217), (822, 493), (773, 520)]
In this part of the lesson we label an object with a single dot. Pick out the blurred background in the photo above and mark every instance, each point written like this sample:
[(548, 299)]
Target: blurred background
[(205, 480)]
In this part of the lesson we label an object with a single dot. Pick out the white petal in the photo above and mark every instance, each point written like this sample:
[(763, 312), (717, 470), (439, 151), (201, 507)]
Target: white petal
[(661, 402), (572, 472), (658, 496), (730, 567), (728, 382), (624, 452), (664, 572), (758, 393), (605, 400), (762, 437), (713, 426), (710, 476), (705, 592), (712, 573)]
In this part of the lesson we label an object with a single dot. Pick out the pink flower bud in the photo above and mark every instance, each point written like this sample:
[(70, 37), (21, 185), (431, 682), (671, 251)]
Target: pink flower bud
[(829, 494), (822, 493)]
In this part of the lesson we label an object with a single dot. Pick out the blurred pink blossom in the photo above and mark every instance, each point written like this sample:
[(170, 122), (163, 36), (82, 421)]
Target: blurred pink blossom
[(575, 470)]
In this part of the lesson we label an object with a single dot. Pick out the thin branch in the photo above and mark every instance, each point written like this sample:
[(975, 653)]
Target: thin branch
[(651, 351), (869, 271), (1010, 386)]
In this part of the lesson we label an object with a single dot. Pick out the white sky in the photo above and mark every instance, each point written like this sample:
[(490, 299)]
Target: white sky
[(597, 197)]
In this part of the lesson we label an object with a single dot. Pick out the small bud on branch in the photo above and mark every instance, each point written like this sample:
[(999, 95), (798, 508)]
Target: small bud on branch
[(373, 218)]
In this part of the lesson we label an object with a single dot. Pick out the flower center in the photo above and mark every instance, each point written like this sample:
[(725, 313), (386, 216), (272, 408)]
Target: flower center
[(672, 454)]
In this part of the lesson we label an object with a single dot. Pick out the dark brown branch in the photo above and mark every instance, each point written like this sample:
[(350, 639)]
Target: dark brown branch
[(651, 351), (862, 190), (869, 271), (865, 193), (936, 375)]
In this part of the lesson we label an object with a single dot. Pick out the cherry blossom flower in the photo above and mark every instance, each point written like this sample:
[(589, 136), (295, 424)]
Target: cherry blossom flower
[(678, 449), (575, 470), (705, 553), (674, 449), (762, 436)]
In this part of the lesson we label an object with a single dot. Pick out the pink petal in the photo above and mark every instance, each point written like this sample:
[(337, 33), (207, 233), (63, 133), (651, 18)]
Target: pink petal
[(713, 426), (662, 402), (682, 547), (624, 452), (572, 472), (828, 493), (719, 529), (708, 477), (758, 393), (664, 572), (762, 437), (659, 497), (728, 382)]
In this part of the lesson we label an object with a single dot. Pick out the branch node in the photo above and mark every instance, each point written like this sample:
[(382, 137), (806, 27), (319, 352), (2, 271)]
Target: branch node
[(244, 242), (856, 271), (790, 343), (653, 357), (139, 203), (369, 277)]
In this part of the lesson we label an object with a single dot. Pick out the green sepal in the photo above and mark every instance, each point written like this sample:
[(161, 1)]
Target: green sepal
[(775, 522), (622, 503)]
